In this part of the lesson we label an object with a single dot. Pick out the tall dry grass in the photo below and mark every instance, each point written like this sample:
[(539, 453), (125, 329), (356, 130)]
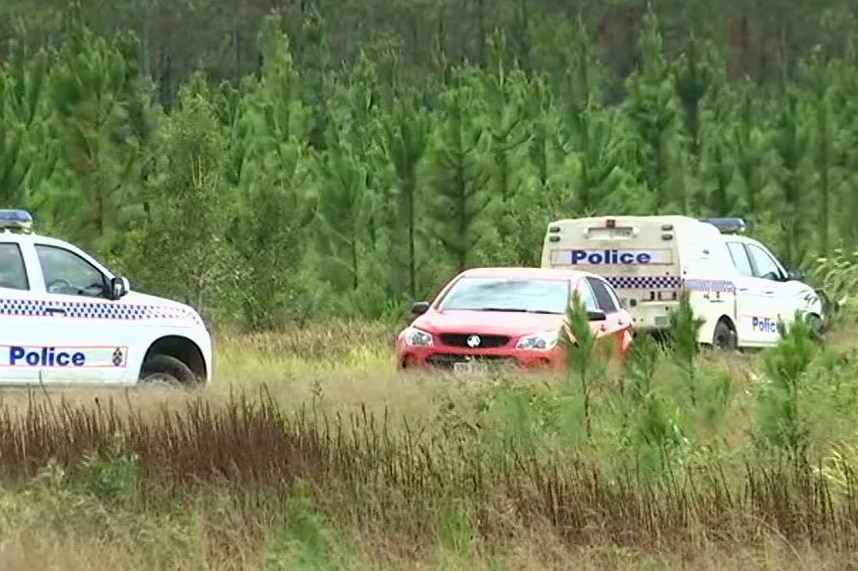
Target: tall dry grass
[(396, 482), (348, 465)]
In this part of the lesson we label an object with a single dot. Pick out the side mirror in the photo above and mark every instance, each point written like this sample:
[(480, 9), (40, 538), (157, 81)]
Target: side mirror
[(420, 308), (119, 287), (796, 274), (596, 315)]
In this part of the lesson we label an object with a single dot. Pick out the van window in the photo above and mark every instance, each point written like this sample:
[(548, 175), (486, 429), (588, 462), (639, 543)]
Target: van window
[(13, 272), (740, 259), (765, 265), (604, 297)]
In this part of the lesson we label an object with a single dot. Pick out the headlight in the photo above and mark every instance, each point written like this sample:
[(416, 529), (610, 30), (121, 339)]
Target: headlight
[(538, 341), (417, 338)]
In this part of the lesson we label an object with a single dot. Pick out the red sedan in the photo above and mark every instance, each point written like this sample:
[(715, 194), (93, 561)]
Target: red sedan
[(512, 315)]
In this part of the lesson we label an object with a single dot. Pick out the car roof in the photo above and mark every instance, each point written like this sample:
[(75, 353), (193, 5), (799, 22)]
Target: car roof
[(531, 273), (740, 238), (9, 237)]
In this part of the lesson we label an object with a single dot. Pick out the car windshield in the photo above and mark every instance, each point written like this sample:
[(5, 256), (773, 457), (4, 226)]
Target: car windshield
[(508, 294)]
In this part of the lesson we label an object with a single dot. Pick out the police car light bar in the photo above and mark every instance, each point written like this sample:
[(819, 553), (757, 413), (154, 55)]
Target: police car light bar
[(726, 225), (18, 221)]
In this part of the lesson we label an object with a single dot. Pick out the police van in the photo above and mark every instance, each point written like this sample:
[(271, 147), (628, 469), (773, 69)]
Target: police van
[(735, 283), (65, 319)]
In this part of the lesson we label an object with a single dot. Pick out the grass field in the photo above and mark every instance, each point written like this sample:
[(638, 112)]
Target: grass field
[(311, 452)]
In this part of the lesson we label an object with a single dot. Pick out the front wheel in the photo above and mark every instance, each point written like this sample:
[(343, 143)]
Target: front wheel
[(724, 338), (165, 370), (816, 327)]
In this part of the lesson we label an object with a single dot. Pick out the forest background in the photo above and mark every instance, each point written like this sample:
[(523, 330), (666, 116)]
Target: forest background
[(276, 162)]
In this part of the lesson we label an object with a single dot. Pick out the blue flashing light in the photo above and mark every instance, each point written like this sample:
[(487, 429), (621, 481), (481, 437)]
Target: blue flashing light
[(726, 225), (19, 221)]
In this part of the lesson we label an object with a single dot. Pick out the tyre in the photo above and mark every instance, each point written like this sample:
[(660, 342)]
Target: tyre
[(166, 371), (816, 327), (724, 338)]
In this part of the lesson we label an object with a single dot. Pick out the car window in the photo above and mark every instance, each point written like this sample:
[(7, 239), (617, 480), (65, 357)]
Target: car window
[(67, 273), (588, 299), (740, 259), (13, 272), (765, 265), (605, 298), (507, 294)]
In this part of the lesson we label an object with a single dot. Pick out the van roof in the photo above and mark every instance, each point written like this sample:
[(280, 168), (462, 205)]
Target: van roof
[(670, 218), (526, 272)]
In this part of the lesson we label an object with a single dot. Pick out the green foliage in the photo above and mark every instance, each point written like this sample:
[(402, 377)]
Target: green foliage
[(303, 540), (783, 422), (654, 114), (456, 177), (656, 417), (111, 480), (580, 343), (837, 275), (455, 529), (304, 190), (185, 200), (684, 332)]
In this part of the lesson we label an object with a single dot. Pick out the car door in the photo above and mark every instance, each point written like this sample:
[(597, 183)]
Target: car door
[(89, 337), (768, 269), (757, 301), (617, 322), (22, 320)]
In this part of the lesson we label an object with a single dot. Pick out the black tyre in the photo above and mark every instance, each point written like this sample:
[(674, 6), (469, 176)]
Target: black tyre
[(724, 338), (166, 371), (816, 326)]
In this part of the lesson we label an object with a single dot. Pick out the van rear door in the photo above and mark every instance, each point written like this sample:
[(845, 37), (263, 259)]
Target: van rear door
[(637, 255)]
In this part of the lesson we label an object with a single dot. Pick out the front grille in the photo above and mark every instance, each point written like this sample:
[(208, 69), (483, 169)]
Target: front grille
[(446, 360), (486, 341)]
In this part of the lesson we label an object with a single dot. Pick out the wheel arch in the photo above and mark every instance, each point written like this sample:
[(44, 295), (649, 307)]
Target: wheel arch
[(183, 349), (707, 332), (824, 326)]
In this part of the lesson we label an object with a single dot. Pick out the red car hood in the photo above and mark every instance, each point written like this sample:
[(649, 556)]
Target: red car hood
[(487, 322)]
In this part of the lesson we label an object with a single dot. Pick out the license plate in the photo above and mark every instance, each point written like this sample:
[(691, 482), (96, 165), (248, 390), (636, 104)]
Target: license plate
[(470, 367), (662, 321)]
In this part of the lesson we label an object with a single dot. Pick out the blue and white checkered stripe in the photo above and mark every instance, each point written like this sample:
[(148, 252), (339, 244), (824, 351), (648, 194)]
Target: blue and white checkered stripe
[(94, 310), (670, 282), (645, 282), (710, 285)]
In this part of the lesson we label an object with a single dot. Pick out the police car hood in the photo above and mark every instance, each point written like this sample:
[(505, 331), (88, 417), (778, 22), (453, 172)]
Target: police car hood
[(509, 323), (144, 299)]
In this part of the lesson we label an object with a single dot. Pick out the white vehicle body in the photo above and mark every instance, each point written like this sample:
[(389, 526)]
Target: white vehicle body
[(59, 335), (731, 278)]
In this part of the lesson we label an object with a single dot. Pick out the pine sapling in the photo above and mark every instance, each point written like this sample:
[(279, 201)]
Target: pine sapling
[(580, 344), (684, 332), (781, 422)]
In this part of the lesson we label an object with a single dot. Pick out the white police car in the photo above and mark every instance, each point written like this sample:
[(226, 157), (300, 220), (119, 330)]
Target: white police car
[(735, 283), (65, 319)]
